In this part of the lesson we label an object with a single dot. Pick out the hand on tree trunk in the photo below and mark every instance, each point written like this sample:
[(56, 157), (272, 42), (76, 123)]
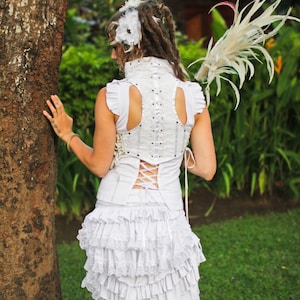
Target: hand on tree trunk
[(60, 121)]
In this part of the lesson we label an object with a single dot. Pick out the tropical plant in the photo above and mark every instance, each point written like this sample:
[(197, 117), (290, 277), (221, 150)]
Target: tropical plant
[(257, 145), (83, 71), (76, 185)]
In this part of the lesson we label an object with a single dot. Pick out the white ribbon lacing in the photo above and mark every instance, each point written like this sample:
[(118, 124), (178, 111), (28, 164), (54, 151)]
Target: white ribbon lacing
[(188, 154)]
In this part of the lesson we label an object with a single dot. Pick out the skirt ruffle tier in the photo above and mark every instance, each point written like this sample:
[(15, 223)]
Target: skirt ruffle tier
[(137, 252)]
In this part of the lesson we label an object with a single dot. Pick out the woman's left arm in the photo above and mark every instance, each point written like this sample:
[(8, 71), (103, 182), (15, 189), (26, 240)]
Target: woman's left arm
[(97, 159)]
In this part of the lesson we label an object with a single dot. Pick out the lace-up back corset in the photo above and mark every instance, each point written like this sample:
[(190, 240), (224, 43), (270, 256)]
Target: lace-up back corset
[(160, 136), (147, 176), (150, 154)]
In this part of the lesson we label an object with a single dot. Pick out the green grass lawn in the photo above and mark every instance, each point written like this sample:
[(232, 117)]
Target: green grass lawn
[(254, 258)]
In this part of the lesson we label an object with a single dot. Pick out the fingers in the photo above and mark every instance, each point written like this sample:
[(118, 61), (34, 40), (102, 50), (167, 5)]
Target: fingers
[(47, 115), (51, 107), (56, 101), (55, 105), (59, 120)]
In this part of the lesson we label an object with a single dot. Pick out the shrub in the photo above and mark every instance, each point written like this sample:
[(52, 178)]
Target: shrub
[(257, 145), (83, 71)]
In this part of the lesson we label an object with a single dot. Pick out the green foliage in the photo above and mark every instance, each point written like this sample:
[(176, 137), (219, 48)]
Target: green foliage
[(189, 52), (83, 71), (77, 30), (218, 24), (263, 136), (257, 145), (76, 185), (86, 19), (240, 253)]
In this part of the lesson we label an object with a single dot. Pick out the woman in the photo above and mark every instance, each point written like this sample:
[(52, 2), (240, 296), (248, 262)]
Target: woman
[(138, 242)]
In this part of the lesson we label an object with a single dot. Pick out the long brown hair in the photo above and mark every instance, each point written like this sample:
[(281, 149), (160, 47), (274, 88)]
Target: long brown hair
[(158, 36)]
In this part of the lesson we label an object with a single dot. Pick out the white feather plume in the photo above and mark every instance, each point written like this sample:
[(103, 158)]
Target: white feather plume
[(243, 41)]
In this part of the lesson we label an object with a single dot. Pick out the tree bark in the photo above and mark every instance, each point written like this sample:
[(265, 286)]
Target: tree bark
[(31, 36)]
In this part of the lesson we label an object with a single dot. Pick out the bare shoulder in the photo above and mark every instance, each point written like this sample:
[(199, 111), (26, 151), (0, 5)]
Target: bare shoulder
[(203, 116), (101, 96), (101, 103)]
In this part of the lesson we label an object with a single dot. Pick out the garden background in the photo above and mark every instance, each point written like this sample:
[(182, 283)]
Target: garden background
[(257, 145), (258, 156)]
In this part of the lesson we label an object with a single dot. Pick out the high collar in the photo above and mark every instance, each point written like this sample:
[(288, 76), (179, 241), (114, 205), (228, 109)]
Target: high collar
[(145, 66)]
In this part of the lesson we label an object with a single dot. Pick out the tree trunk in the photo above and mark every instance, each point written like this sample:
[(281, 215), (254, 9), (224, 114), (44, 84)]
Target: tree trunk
[(31, 35)]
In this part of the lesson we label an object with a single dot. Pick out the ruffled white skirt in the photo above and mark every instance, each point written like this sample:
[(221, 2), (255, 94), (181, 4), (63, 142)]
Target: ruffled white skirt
[(140, 251)]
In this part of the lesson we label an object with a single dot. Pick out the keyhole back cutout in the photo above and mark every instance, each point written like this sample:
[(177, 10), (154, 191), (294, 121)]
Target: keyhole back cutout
[(180, 106), (135, 108)]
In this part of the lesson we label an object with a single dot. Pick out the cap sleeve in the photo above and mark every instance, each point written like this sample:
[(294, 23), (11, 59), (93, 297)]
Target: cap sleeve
[(113, 96), (195, 100), (198, 95), (117, 100)]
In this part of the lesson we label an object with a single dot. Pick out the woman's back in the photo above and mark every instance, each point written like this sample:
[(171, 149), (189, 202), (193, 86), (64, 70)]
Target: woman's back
[(154, 117), (155, 111)]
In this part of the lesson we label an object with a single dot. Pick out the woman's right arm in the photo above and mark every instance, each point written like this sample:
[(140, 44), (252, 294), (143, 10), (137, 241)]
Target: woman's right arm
[(99, 157), (203, 147)]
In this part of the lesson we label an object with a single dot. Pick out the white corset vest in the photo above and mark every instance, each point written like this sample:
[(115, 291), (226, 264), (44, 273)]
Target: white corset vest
[(159, 139)]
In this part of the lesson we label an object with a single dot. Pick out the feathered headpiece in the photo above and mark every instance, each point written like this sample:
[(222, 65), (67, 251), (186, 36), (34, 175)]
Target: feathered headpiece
[(131, 4), (128, 29), (243, 41)]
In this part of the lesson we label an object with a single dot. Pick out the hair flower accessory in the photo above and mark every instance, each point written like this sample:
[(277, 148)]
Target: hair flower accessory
[(130, 4), (128, 31)]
